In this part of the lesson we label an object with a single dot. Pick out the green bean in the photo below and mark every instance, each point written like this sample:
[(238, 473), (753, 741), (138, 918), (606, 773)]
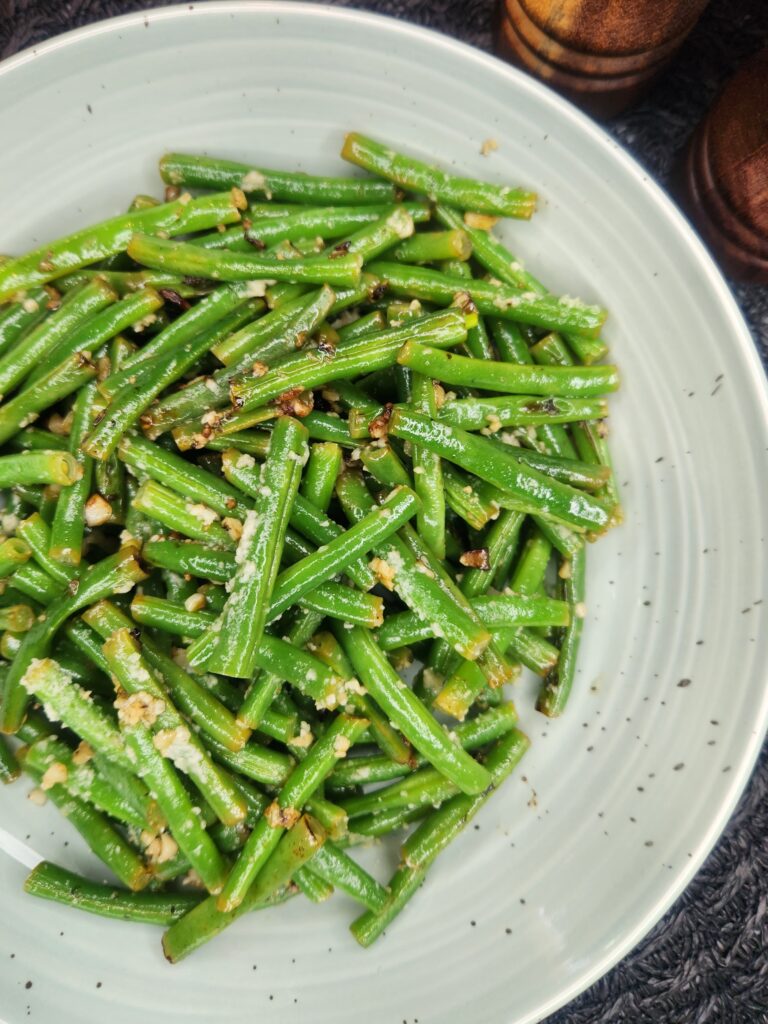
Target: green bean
[(78, 777), (68, 527), (25, 407), (152, 378), (13, 553), (17, 617), (36, 467), (183, 477), (472, 734), (416, 176), (230, 644), (26, 354), (311, 885), (427, 472), (423, 788), (365, 324), (385, 466), (210, 172), (206, 921), (332, 817), (567, 382), (326, 647), (432, 246), (300, 785), (134, 672), (51, 882), (223, 265), (336, 867), (133, 310), (66, 701), (33, 439), (23, 315), (88, 245), (206, 314), (302, 223), (319, 481), (403, 629), (184, 824), (370, 352), (219, 566), (401, 571), (279, 333), (519, 410), (408, 713), (490, 299), (433, 835), (33, 582), (193, 519), (464, 496), (304, 516), (477, 454), (557, 686), (9, 766), (254, 761), (105, 841)]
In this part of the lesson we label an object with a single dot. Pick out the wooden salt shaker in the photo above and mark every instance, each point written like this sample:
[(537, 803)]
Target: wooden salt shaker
[(725, 173), (602, 54)]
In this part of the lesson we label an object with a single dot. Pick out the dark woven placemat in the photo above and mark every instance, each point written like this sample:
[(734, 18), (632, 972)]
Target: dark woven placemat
[(706, 962)]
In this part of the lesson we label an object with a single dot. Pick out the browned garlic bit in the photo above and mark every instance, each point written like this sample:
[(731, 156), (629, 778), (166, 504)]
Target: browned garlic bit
[(476, 559), (97, 510), (281, 817)]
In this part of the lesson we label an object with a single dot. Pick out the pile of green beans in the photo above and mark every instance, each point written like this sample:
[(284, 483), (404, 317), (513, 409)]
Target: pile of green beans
[(298, 474)]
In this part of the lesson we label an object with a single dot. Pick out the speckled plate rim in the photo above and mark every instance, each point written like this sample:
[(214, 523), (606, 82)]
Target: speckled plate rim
[(740, 338)]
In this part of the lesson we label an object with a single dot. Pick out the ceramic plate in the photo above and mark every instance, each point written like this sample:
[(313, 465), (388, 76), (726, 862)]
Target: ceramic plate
[(618, 803)]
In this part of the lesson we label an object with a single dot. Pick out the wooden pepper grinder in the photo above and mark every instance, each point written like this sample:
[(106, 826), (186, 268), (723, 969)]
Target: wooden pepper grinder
[(725, 173), (602, 54)]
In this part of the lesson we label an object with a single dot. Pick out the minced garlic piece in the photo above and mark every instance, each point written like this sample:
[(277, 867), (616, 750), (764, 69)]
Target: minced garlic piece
[(341, 745), (55, 774), (37, 797), (139, 708), (281, 817), (202, 512), (305, 737), (385, 573), (83, 754), (483, 221), (97, 510), (161, 848), (195, 602), (175, 745), (489, 146), (233, 527)]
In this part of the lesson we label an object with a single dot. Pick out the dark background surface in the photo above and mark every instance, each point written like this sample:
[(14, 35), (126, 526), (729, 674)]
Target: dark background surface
[(706, 962)]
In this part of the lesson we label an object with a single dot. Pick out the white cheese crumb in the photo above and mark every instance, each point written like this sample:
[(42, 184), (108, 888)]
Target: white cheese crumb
[(245, 461)]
